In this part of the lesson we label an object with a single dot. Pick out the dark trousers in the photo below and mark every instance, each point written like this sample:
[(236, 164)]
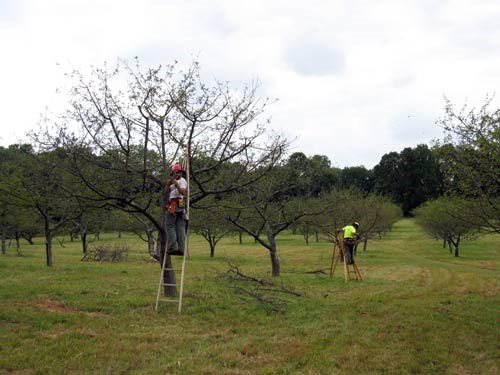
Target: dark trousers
[(349, 250)]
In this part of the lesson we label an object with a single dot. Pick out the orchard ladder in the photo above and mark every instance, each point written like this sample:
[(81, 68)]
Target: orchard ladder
[(351, 271), (162, 284)]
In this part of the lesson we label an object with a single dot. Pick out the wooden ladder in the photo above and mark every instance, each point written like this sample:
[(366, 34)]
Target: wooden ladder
[(162, 284), (351, 271)]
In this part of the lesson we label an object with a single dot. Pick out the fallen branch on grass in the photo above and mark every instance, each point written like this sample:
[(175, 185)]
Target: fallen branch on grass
[(259, 289), (281, 291), (320, 270), (103, 253), (236, 271), (269, 305)]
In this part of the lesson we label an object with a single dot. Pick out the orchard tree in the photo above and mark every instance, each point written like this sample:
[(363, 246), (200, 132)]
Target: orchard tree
[(443, 218), (470, 158), (266, 209), (7, 173), (39, 186), (126, 126), (210, 223), (375, 214)]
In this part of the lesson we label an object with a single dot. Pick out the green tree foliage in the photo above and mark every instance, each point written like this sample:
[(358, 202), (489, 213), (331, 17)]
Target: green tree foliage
[(470, 158), (375, 214), (210, 222), (39, 185), (451, 219), (17, 217), (310, 176), (357, 177), (409, 178), (267, 208)]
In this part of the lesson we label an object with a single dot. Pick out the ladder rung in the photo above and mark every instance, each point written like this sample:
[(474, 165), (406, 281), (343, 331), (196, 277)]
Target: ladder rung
[(163, 284), (168, 300), (172, 269)]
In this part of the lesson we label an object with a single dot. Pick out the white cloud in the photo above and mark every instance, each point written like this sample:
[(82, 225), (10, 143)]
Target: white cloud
[(354, 79)]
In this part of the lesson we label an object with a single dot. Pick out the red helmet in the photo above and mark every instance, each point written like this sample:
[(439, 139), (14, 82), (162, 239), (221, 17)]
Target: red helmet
[(176, 168)]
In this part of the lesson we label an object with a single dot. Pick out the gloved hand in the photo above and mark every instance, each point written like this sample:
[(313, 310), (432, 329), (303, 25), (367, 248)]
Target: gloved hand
[(171, 181)]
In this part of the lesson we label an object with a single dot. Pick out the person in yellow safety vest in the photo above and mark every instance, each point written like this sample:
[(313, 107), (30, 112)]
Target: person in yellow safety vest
[(350, 236)]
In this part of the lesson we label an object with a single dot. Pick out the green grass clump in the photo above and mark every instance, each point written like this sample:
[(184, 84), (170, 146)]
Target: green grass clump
[(418, 310)]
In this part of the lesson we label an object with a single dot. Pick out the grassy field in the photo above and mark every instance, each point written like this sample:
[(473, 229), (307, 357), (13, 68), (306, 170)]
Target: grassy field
[(419, 310)]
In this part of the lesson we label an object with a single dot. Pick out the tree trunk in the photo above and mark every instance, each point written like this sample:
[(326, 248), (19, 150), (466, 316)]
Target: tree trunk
[(4, 231), (212, 248), (18, 238), (169, 278), (4, 240), (29, 238), (151, 242), (48, 243), (158, 244), (456, 246), (83, 235), (273, 252), (275, 264), (168, 273)]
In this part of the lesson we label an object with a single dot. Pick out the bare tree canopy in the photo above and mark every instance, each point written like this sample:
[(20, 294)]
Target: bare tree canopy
[(130, 125), (126, 126)]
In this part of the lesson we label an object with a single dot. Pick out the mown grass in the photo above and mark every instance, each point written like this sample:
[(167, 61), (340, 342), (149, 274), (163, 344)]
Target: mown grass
[(419, 310)]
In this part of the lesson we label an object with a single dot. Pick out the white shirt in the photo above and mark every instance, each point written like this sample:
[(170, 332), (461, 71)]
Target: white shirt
[(174, 192)]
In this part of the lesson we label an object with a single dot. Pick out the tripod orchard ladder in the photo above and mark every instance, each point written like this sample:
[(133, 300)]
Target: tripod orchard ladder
[(167, 259), (351, 273)]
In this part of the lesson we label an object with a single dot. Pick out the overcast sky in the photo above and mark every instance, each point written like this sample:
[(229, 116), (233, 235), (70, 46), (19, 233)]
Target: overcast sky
[(355, 79)]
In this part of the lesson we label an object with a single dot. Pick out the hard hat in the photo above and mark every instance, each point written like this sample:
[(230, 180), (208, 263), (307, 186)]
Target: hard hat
[(176, 168), (356, 224)]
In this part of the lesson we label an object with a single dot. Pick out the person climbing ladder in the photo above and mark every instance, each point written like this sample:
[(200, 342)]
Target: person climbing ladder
[(350, 237), (176, 211)]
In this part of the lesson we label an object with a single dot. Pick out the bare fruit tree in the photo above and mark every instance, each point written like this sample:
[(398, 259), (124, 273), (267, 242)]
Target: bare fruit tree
[(126, 126)]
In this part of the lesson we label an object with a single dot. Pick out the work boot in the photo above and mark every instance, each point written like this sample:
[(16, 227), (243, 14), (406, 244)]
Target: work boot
[(175, 252)]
